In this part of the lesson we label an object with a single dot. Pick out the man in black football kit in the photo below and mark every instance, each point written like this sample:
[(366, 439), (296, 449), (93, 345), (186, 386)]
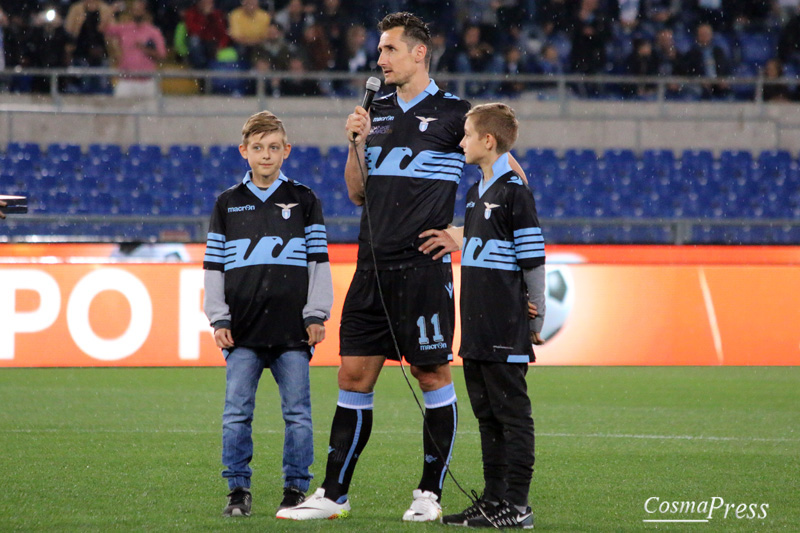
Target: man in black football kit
[(407, 145), (409, 149)]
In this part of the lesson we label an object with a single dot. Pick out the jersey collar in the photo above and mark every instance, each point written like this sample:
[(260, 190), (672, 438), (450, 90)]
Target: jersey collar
[(263, 195), (432, 88), (500, 168)]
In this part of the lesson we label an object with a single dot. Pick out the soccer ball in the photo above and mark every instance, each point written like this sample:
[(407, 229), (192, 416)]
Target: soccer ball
[(559, 297)]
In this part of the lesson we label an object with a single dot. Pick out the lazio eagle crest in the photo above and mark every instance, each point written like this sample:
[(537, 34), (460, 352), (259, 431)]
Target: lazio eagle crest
[(286, 210), (423, 122)]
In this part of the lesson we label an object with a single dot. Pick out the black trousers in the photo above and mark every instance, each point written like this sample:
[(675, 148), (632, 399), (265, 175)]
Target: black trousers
[(498, 393)]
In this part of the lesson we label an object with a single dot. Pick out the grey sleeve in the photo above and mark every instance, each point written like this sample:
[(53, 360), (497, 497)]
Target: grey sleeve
[(534, 279), (320, 293), (214, 305)]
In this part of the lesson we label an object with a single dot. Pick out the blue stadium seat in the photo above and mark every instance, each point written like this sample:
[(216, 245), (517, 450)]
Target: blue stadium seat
[(105, 151), (776, 167), (225, 155), (658, 168), (755, 49), (312, 154), (230, 86), (26, 151), (149, 153), (64, 152), (543, 166), (338, 153), (188, 154), (744, 92)]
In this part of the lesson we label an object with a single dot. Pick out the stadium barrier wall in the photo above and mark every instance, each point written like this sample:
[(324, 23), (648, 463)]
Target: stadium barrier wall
[(72, 305)]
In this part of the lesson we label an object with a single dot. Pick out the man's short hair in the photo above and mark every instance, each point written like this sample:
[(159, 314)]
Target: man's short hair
[(497, 120), (265, 123), (415, 31)]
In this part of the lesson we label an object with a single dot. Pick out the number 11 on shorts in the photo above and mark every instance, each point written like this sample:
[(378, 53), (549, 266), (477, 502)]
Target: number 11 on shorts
[(423, 330)]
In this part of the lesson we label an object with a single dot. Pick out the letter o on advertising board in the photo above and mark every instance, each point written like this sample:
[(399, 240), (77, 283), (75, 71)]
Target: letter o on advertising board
[(109, 279)]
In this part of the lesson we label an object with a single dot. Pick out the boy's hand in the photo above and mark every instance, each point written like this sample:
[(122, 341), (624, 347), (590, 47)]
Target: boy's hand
[(358, 124), (223, 338), (438, 238), (533, 311), (536, 338), (316, 334)]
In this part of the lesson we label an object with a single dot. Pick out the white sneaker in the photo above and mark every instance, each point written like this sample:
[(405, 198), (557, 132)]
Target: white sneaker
[(316, 507), (424, 508)]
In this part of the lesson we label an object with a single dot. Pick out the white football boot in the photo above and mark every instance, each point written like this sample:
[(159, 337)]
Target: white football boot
[(316, 507), (424, 508)]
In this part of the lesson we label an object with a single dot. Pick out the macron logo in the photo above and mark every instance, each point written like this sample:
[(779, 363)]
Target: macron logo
[(241, 208)]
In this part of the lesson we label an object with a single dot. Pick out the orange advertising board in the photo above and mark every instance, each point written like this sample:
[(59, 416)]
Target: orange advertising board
[(346, 253), (598, 314)]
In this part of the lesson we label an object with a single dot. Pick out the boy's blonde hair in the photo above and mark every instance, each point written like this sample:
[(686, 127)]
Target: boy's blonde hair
[(265, 123), (497, 120)]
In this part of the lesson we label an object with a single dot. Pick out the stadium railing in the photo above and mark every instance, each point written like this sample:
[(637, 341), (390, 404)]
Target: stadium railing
[(561, 87)]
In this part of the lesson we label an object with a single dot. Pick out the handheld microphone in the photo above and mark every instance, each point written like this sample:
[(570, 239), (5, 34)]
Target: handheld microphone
[(373, 86)]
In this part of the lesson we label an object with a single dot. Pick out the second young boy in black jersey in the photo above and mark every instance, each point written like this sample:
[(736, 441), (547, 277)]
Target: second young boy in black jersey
[(502, 272)]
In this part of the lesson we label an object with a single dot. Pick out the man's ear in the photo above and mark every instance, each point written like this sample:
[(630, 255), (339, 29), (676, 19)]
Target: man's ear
[(420, 51)]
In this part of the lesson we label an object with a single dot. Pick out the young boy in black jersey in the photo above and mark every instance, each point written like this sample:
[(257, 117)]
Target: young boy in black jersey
[(502, 271), (268, 293)]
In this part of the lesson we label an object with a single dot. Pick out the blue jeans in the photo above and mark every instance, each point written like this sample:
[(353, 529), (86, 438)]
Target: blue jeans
[(290, 370)]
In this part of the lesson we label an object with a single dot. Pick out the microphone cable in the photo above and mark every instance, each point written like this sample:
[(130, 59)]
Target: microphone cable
[(473, 498)]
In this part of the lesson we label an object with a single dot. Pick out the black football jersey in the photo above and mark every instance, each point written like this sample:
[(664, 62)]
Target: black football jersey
[(263, 240), (501, 237), (414, 165)]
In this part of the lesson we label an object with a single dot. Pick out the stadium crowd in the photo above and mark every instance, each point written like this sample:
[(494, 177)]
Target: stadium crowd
[(708, 38)]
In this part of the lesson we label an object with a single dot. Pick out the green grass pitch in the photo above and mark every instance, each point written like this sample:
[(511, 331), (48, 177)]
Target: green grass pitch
[(138, 449)]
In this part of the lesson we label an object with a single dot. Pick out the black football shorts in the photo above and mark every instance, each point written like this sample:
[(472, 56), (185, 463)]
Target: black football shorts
[(420, 304)]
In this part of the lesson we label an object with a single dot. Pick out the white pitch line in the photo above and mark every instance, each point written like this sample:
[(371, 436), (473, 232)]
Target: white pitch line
[(664, 437), (409, 432)]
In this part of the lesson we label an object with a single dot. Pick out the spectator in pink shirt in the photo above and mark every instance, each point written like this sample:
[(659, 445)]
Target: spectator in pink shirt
[(141, 46)]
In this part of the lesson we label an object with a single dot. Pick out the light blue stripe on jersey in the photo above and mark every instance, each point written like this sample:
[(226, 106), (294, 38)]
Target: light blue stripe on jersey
[(355, 400), (529, 243), (426, 165), (440, 397), (518, 359), (293, 254), (494, 254), (215, 248), (316, 239)]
